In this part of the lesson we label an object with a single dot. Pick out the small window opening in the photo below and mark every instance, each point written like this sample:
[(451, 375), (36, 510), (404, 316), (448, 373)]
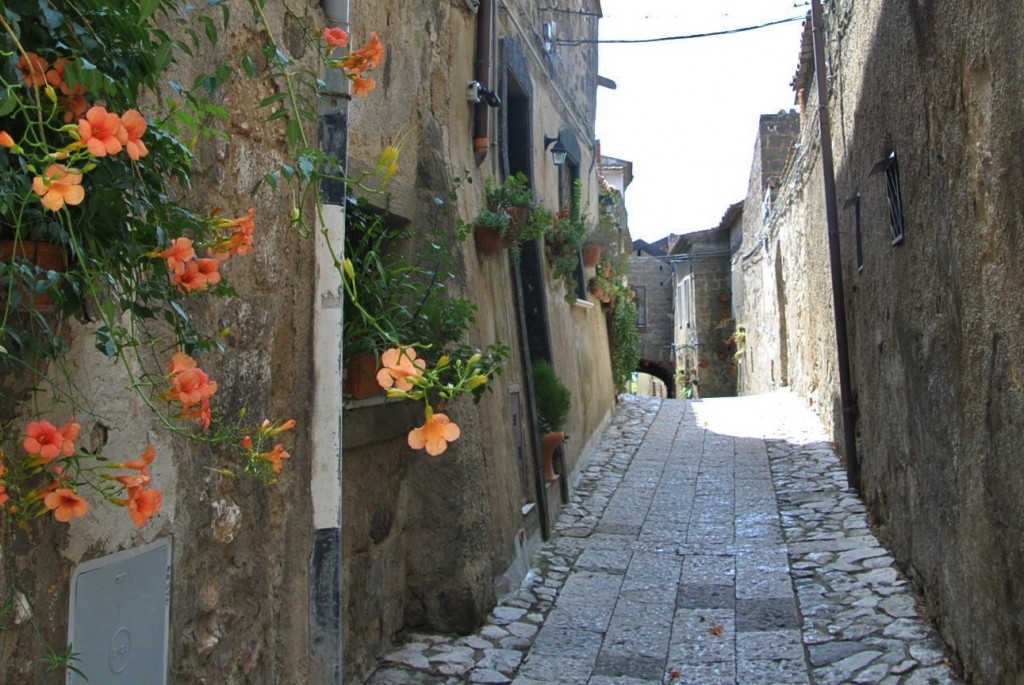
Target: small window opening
[(893, 195)]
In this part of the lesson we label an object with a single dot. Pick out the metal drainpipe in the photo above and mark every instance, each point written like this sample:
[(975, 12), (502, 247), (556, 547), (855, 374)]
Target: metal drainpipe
[(482, 75), (832, 215), (325, 567)]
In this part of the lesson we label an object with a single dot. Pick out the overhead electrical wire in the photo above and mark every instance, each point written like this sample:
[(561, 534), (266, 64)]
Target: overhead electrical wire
[(686, 37)]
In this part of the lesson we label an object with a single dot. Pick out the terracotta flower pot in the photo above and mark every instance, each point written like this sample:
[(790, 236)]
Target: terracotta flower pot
[(488, 240), (592, 253), (47, 256), (361, 377), (517, 215), (549, 442)]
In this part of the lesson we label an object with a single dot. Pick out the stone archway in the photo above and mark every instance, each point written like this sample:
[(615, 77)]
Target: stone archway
[(662, 372)]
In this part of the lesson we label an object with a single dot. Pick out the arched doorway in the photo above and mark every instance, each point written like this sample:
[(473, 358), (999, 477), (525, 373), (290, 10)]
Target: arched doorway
[(663, 373)]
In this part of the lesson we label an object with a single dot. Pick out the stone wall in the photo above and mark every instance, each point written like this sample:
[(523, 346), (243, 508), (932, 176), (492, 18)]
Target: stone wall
[(938, 379), (756, 264), (703, 348), (239, 608), (938, 382), (655, 276), (429, 543)]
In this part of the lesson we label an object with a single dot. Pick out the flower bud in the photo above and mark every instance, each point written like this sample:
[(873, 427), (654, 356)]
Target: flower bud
[(388, 158)]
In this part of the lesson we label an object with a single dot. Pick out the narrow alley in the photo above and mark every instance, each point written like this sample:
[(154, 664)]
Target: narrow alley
[(707, 542)]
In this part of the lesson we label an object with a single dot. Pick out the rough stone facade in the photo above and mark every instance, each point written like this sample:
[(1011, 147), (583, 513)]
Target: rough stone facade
[(937, 380), (652, 279), (239, 551), (703, 323), (757, 272), (427, 542)]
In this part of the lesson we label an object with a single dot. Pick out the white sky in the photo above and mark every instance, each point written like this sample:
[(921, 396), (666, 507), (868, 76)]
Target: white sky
[(686, 112)]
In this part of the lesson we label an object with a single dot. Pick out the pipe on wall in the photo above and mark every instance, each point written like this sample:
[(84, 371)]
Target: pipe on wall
[(325, 564), (835, 262), (485, 20)]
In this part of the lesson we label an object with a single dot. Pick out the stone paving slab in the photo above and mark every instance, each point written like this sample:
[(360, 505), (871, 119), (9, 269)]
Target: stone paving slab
[(711, 542)]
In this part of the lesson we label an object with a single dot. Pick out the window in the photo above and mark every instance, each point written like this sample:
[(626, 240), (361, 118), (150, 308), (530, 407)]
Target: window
[(893, 195), (640, 293)]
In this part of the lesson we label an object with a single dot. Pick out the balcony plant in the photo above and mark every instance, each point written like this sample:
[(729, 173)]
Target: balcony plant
[(489, 227), (528, 219), (563, 244), (604, 238), (553, 404), (515, 197), (564, 241), (399, 292), (401, 316)]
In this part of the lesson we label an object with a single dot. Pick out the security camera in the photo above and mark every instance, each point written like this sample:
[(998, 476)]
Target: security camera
[(475, 91)]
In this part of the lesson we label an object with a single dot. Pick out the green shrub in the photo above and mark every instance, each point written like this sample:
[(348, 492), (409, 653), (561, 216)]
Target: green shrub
[(553, 398)]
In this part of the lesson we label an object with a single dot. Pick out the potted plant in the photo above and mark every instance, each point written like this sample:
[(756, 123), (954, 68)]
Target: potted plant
[(515, 197), (392, 295), (489, 227), (603, 288), (603, 238), (553, 403), (563, 244), (540, 221)]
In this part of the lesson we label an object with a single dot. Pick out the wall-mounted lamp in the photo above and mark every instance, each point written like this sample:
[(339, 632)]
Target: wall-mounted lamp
[(558, 152), (608, 203), (475, 92), (548, 31)]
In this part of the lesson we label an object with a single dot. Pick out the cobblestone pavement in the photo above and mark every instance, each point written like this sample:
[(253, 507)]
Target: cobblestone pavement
[(709, 542)]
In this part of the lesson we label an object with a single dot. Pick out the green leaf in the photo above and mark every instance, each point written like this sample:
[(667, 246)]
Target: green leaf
[(293, 131), (142, 312), (146, 9), (7, 104), (181, 312), (210, 28), (247, 66), (162, 57), (51, 18), (217, 111), (105, 342), (223, 73), (271, 99)]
